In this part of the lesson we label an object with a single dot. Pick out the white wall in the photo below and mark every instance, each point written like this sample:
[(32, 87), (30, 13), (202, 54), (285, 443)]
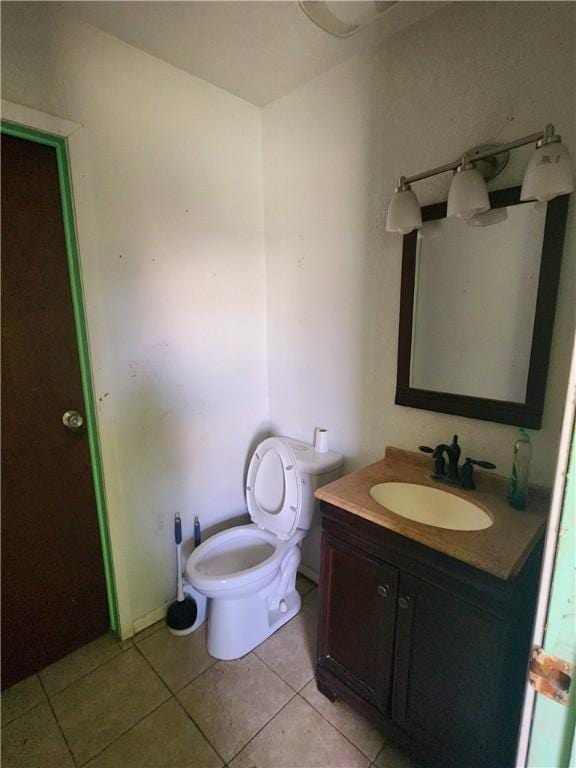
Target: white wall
[(333, 150), (167, 177), (168, 186)]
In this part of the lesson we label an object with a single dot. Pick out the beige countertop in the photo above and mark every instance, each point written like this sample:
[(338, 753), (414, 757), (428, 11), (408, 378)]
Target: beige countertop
[(500, 550)]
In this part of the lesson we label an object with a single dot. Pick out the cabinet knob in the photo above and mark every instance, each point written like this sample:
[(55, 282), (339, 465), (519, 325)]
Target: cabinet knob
[(404, 602), (383, 590)]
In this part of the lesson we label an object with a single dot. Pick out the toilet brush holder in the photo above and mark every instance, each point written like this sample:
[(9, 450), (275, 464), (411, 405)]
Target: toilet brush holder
[(192, 595), (201, 605), (188, 611)]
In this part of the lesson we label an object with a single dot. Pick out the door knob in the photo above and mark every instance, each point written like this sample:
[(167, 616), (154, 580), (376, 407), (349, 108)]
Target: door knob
[(72, 420), (383, 590), (404, 602)]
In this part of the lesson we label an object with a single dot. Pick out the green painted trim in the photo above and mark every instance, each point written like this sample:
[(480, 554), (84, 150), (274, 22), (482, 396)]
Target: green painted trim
[(552, 739), (61, 149)]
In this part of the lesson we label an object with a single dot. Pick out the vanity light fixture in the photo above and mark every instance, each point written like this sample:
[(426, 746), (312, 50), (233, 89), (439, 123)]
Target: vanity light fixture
[(548, 175), (404, 213), (468, 195), (549, 171)]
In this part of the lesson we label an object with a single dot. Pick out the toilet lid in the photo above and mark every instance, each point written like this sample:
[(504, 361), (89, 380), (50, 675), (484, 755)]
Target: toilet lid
[(273, 488)]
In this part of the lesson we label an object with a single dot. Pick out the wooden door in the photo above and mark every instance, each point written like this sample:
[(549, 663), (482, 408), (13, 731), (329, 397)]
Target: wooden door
[(447, 675), (53, 585), (356, 630)]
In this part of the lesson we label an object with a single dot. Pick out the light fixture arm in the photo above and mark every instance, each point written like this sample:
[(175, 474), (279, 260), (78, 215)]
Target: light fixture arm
[(548, 175), (542, 137)]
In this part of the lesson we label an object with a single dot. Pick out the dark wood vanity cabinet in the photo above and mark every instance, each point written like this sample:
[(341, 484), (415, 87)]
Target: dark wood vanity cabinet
[(357, 640), (432, 650), (446, 654)]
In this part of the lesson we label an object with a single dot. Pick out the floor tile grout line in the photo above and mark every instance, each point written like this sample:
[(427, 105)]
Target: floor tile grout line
[(255, 652), (192, 679), (174, 695), (216, 661), (189, 716), (155, 671), (171, 695), (85, 674), (195, 678), (27, 712), (251, 739), (278, 675), (30, 708), (121, 735), (371, 759), (298, 692), (293, 690), (68, 747), (114, 740), (160, 624), (386, 743)]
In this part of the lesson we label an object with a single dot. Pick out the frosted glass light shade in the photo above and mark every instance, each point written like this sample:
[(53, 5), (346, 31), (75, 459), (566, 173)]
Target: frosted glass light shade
[(404, 213), (468, 195), (549, 173)]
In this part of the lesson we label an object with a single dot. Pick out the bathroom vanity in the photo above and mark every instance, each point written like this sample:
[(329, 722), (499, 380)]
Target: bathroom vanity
[(425, 630)]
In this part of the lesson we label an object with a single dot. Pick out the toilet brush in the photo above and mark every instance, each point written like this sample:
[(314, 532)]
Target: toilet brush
[(182, 613)]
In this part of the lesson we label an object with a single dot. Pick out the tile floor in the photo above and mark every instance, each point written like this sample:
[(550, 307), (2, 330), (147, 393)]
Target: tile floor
[(161, 701)]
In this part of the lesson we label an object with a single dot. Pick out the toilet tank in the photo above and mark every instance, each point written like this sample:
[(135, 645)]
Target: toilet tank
[(316, 469)]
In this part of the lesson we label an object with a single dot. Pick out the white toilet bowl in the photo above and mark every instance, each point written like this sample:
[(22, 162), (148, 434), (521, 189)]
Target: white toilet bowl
[(249, 572), (250, 577)]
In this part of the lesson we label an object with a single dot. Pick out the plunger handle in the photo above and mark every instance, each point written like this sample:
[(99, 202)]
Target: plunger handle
[(178, 538)]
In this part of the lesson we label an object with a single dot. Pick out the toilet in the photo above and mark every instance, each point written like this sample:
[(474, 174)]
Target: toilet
[(249, 572)]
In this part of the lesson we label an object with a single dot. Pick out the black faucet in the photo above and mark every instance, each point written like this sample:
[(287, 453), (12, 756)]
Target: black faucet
[(453, 453), (462, 477)]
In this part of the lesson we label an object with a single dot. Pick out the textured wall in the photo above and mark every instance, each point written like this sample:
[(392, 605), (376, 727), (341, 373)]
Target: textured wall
[(333, 150), (170, 222), (170, 225)]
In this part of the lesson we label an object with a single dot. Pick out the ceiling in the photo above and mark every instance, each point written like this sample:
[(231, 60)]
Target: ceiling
[(256, 50)]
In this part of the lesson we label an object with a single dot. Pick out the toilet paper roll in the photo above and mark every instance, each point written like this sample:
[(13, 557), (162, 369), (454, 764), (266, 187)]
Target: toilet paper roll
[(321, 440)]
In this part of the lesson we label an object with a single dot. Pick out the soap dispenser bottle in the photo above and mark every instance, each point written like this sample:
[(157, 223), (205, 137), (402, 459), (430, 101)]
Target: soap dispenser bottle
[(518, 497)]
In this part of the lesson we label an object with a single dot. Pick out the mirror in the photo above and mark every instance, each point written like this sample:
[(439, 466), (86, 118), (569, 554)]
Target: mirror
[(477, 310)]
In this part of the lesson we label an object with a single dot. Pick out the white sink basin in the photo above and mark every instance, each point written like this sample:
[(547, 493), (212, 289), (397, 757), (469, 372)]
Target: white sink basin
[(431, 506)]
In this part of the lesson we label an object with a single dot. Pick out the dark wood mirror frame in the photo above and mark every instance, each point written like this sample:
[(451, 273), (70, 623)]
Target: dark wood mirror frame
[(529, 413)]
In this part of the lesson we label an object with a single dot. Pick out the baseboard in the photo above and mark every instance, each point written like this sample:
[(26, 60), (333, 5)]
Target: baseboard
[(160, 613), (150, 618), (309, 573)]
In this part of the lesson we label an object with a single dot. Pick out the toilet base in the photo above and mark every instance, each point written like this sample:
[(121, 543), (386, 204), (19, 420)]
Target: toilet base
[(254, 603), (253, 620)]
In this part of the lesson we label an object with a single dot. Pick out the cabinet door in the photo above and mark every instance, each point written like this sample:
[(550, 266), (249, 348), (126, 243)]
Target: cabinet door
[(447, 660), (357, 614)]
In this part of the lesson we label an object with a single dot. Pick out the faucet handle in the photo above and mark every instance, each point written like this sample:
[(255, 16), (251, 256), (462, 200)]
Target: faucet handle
[(425, 449), (483, 464), (467, 474)]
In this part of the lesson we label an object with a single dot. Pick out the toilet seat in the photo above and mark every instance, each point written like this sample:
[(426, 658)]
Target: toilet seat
[(274, 488)]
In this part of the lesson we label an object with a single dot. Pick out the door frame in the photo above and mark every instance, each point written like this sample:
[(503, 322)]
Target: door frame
[(59, 144), (547, 725)]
